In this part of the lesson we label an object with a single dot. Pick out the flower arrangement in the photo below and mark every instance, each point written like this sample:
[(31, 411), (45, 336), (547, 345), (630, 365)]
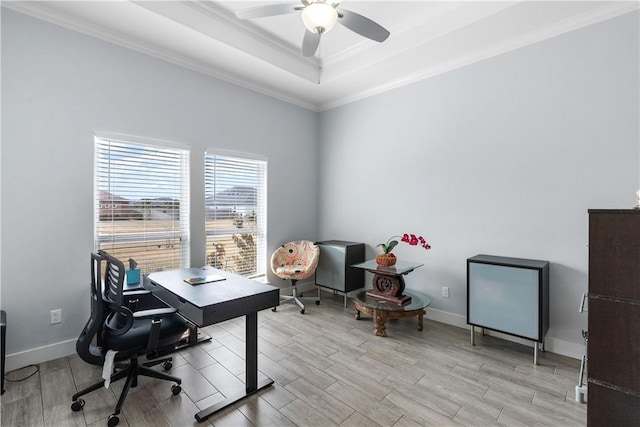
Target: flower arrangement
[(387, 257)]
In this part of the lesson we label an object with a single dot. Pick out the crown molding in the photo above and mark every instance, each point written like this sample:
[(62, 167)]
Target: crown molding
[(41, 11), (609, 11), (281, 58)]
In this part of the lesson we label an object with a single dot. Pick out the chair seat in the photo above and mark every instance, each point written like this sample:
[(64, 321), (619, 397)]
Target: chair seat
[(291, 270), (171, 329)]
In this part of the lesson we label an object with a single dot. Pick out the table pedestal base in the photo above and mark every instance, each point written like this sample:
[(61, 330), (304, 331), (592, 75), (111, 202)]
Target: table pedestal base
[(380, 317), (390, 287)]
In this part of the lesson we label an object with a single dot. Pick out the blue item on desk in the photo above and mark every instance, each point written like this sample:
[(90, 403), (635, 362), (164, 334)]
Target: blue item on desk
[(133, 276)]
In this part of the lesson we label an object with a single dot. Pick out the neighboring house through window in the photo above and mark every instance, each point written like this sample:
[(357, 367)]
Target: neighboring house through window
[(236, 209), (142, 201)]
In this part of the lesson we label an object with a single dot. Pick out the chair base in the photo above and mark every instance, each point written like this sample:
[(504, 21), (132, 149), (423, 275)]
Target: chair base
[(131, 372), (297, 299)]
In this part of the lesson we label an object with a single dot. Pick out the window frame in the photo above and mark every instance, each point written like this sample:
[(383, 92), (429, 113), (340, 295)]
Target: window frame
[(262, 204), (183, 154)]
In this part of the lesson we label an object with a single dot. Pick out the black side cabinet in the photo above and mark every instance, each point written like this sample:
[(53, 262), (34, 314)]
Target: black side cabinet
[(334, 268), (509, 295)]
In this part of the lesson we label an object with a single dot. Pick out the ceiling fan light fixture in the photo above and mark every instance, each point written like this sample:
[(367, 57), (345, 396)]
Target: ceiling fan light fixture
[(319, 17)]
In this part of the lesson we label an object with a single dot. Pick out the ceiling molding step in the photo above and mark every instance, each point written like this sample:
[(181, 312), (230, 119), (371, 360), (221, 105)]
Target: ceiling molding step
[(213, 21), (419, 31), (408, 41)]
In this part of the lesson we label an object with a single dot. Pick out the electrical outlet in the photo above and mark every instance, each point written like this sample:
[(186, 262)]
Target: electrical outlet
[(56, 316), (445, 292)]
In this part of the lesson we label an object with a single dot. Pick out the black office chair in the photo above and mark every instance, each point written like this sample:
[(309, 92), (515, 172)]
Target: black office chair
[(114, 325)]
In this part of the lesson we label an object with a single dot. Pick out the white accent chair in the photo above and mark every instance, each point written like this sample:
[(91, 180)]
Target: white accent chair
[(295, 261)]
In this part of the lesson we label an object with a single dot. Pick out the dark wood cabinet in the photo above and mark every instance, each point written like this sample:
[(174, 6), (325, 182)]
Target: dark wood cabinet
[(613, 351)]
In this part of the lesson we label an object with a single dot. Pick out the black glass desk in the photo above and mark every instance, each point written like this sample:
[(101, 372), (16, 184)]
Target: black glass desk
[(216, 302)]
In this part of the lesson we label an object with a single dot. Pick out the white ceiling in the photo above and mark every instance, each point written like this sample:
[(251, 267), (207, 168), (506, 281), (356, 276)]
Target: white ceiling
[(427, 38)]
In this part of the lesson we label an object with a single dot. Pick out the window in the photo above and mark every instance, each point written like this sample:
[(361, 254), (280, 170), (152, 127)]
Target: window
[(142, 202), (236, 210)]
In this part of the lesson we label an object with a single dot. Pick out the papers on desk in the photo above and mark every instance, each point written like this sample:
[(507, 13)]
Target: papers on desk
[(205, 279)]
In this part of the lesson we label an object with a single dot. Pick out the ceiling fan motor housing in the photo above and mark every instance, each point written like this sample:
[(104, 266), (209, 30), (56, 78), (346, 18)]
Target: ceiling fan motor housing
[(319, 17)]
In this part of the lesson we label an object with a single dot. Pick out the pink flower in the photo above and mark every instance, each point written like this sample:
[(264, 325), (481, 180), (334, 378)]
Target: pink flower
[(411, 239)]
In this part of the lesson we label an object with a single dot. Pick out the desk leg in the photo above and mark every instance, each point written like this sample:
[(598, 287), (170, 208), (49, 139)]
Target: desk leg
[(252, 386), (251, 352)]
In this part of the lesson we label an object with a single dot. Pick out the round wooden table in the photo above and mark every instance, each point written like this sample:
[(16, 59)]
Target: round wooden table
[(381, 309)]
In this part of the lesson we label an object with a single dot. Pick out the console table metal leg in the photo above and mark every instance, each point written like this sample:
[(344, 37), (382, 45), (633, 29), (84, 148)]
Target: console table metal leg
[(535, 354), (473, 342)]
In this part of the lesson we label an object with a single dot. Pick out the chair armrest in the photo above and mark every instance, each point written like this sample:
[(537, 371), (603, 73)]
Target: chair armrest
[(155, 313), (137, 292)]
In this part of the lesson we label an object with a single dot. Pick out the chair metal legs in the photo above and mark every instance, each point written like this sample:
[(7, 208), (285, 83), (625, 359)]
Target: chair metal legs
[(294, 298), (131, 373)]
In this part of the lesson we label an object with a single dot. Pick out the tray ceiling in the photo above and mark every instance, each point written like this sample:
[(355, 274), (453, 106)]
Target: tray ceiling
[(427, 38)]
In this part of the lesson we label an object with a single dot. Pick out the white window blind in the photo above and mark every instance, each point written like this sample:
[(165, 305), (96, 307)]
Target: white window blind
[(142, 203), (236, 213)]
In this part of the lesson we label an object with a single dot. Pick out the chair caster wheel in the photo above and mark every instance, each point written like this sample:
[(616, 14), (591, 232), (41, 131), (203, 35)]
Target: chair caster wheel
[(317, 302), (302, 311), (76, 405), (167, 365), (273, 309), (113, 420), (176, 389)]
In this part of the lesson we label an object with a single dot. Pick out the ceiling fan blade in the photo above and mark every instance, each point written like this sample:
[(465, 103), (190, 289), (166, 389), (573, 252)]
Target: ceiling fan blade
[(269, 10), (310, 43), (363, 26)]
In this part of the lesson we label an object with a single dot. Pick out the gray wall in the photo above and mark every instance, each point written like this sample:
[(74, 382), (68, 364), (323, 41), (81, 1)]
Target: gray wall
[(58, 87), (501, 157)]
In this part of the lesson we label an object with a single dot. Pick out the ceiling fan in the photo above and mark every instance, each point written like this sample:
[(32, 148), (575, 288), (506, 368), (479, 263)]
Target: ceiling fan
[(319, 17)]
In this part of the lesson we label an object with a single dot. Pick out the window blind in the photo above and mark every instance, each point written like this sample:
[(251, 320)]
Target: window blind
[(142, 203), (236, 213)]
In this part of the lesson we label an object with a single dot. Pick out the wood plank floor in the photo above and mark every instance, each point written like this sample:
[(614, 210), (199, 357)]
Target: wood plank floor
[(329, 370)]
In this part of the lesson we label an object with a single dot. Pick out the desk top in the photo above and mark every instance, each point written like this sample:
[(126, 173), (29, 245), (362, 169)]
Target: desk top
[(400, 268), (211, 302), (235, 287)]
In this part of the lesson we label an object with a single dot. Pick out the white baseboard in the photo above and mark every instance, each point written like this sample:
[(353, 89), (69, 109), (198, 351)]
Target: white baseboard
[(39, 355), (67, 348), (553, 345)]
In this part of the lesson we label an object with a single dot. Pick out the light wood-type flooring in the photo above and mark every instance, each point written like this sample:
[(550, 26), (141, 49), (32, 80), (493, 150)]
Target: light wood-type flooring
[(329, 370)]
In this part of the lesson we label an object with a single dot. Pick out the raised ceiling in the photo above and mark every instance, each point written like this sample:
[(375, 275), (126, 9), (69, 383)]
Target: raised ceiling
[(427, 38)]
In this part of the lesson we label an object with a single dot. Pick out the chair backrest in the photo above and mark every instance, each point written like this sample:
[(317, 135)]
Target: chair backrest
[(120, 317), (114, 274), (108, 314), (303, 254), (88, 349)]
